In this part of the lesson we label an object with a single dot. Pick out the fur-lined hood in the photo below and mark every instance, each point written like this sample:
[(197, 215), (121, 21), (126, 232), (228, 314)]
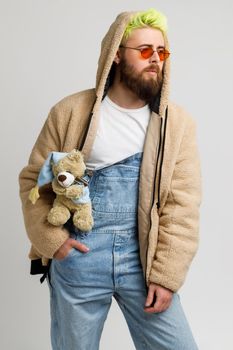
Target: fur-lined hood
[(109, 47)]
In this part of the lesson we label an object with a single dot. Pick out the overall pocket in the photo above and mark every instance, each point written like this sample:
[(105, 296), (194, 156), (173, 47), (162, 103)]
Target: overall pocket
[(115, 194)]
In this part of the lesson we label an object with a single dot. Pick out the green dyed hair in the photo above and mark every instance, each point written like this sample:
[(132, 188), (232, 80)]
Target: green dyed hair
[(150, 18)]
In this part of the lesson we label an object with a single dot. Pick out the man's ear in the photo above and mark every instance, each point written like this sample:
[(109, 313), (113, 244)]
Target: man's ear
[(117, 57)]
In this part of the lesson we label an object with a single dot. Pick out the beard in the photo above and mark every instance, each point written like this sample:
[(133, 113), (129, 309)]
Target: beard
[(145, 89)]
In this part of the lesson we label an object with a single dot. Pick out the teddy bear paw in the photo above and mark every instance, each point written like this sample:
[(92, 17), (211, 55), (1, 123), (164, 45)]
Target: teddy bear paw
[(84, 224), (58, 217)]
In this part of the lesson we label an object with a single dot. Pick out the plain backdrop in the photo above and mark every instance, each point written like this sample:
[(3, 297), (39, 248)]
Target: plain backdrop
[(49, 49)]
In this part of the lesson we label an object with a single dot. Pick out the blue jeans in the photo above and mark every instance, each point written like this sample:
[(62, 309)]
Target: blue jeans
[(82, 284)]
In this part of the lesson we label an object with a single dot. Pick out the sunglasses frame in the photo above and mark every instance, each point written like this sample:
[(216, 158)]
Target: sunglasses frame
[(149, 47)]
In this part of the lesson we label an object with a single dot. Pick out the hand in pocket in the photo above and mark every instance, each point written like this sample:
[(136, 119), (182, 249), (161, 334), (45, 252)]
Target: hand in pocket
[(70, 243)]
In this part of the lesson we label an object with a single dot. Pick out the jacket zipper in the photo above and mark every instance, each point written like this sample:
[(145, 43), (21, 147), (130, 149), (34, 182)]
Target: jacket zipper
[(161, 142), (162, 155)]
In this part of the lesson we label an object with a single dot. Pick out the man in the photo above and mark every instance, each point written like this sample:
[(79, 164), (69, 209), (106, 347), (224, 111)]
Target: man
[(126, 123)]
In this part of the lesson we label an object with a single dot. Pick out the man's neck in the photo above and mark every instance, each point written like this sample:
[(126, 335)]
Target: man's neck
[(124, 97)]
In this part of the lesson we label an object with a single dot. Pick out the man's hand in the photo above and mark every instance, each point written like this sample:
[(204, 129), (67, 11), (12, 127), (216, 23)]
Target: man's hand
[(67, 245), (163, 298)]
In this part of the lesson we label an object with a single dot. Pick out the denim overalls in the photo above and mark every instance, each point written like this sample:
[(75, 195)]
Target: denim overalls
[(82, 284)]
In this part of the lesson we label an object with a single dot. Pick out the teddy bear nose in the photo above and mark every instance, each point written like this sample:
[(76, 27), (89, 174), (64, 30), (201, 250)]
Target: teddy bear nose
[(62, 178)]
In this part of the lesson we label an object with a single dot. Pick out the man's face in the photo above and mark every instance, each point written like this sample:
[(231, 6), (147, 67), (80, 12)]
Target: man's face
[(142, 76)]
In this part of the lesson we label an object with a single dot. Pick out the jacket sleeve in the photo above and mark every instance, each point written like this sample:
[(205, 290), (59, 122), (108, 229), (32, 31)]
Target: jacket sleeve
[(45, 237), (178, 235)]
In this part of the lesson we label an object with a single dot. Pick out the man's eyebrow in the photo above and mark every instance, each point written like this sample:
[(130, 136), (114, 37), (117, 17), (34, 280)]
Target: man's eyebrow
[(158, 47)]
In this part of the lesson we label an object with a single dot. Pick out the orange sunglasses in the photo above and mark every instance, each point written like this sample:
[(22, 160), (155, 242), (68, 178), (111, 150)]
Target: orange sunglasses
[(147, 52)]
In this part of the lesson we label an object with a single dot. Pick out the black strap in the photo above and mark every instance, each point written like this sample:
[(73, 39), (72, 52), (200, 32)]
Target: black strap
[(46, 272), (38, 268)]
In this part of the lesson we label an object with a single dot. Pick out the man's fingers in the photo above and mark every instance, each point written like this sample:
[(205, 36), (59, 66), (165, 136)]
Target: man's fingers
[(159, 306), (155, 307), (150, 297), (163, 298), (80, 246), (70, 243)]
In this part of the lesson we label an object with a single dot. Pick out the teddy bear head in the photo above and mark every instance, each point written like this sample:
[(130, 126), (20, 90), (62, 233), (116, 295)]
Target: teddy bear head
[(69, 168)]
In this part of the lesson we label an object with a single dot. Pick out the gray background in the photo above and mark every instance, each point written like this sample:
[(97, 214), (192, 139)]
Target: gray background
[(42, 44)]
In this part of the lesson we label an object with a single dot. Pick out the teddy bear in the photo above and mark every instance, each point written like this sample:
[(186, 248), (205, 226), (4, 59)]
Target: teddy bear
[(66, 172)]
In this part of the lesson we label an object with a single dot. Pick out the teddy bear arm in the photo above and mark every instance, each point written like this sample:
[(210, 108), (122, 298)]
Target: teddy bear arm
[(74, 191)]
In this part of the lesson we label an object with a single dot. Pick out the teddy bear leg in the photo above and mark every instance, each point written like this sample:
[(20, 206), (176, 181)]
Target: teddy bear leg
[(82, 217), (58, 215)]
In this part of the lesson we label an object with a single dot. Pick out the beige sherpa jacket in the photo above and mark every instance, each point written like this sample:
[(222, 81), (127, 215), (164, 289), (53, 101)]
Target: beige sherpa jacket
[(170, 176)]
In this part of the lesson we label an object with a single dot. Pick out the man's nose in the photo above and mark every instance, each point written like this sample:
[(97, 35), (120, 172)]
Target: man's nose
[(155, 57)]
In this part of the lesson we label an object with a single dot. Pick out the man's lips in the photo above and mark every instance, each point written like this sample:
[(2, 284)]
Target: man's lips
[(152, 70), (152, 73)]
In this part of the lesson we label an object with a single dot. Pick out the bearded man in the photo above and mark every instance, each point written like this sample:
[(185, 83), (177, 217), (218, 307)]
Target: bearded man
[(144, 178)]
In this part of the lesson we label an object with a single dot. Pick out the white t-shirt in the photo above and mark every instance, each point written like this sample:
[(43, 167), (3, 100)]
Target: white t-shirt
[(120, 134)]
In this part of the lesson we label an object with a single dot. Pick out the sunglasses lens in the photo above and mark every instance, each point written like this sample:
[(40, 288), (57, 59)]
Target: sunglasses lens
[(163, 55), (147, 52)]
